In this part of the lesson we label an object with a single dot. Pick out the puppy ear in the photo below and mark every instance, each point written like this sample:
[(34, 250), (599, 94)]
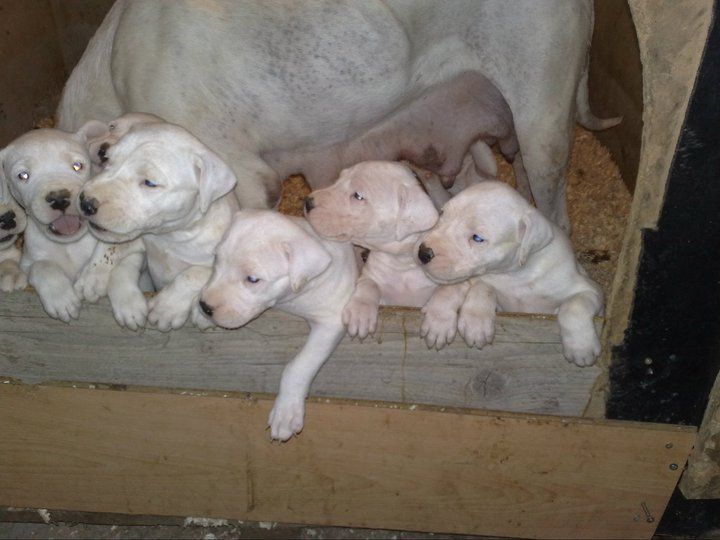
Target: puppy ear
[(92, 129), (416, 212), (307, 259), (213, 176), (534, 232)]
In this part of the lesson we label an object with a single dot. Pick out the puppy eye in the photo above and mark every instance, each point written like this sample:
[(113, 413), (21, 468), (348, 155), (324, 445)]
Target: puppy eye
[(477, 238), (359, 196), (253, 279), (77, 166), (149, 183), (24, 176)]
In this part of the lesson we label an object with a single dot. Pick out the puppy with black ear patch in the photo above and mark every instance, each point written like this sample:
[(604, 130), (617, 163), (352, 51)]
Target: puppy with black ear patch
[(270, 260), (12, 224), (381, 206), (163, 185), (44, 170), (519, 261)]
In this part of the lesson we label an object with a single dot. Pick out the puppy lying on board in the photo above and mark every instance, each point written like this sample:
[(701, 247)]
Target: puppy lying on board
[(520, 262), (381, 206), (44, 170), (270, 260), (12, 224), (161, 184)]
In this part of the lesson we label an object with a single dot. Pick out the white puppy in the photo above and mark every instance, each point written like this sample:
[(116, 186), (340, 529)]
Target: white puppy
[(104, 136), (381, 206), (162, 184), (44, 170), (522, 262), (270, 260), (12, 224)]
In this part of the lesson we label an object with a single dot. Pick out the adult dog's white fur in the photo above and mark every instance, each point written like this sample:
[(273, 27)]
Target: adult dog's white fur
[(48, 164), (270, 260), (12, 224), (162, 185), (381, 206), (520, 262)]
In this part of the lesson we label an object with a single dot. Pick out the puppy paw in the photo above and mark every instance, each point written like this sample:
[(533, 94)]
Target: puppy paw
[(476, 327), (360, 318), (92, 284), (166, 312), (12, 278), (62, 304), (130, 309), (286, 418), (438, 326), (581, 348)]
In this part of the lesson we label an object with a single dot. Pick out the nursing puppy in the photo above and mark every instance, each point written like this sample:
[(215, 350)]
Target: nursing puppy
[(270, 260), (521, 262), (381, 206), (162, 185), (12, 224), (44, 170), (106, 135)]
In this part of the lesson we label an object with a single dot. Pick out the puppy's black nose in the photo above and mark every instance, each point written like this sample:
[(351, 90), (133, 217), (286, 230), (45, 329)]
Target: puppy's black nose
[(88, 206), (7, 220), (59, 200), (425, 254), (207, 310), (102, 152), (309, 204)]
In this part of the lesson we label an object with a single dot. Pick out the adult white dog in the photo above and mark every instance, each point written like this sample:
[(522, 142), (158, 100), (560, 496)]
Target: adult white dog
[(12, 224), (44, 170), (161, 184), (279, 87), (381, 206), (270, 260), (521, 262)]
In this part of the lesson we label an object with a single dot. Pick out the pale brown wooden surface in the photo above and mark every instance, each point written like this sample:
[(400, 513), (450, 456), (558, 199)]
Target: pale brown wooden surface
[(523, 370), (354, 464)]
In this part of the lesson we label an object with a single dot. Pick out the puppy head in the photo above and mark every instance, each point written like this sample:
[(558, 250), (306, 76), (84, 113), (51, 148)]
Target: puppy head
[(12, 222), (158, 178), (101, 136), (486, 229), (263, 259), (372, 204), (44, 171)]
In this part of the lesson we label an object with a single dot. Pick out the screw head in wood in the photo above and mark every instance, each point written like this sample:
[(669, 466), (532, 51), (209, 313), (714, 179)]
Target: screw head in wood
[(673, 466)]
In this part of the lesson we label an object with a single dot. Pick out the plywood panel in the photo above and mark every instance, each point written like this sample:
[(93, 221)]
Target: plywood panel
[(355, 464), (524, 369)]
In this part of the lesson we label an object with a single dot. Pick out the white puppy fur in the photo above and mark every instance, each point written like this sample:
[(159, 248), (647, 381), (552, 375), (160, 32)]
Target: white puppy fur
[(105, 135), (270, 260), (520, 262), (162, 185), (12, 224), (381, 206), (44, 170)]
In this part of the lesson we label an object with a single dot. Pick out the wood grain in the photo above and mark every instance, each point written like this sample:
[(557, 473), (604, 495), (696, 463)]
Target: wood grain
[(355, 464), (523, 370)]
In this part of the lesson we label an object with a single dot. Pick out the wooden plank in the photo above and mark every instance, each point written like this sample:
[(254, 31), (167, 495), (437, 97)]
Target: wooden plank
[(355, 464), (524, 369)]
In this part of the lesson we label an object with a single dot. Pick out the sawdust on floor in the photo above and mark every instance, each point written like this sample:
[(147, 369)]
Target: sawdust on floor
[(598, 204)]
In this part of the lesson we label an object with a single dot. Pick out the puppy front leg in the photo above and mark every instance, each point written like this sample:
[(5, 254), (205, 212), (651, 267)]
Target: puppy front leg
[(476, 323), (11, 275), (577, 328), (169, 309), (92, 283), (361, 312), (55, 290), (440, 314), (126, 299), (287, 415)]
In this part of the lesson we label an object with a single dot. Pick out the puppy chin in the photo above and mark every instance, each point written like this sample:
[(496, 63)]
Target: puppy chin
[(232, 320), (443, 276), (111, 237), (321, 227)]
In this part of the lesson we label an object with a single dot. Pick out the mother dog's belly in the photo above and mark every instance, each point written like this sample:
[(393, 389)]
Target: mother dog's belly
[(434, 131)]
